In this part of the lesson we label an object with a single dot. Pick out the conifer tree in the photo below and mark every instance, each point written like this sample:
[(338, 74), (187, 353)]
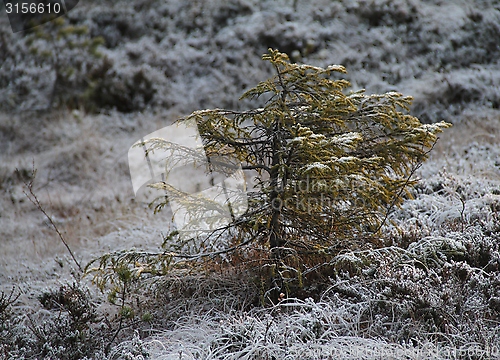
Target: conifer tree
[(329, 164)]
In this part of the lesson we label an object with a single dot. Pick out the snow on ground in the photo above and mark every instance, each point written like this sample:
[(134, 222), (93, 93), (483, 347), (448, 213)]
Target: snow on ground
[(164, 59)]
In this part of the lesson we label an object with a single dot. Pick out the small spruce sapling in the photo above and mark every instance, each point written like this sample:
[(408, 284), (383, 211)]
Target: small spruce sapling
[(329, 164)]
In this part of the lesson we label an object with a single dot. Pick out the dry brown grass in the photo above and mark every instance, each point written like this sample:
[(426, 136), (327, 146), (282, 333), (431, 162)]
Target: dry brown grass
[(83, 183)]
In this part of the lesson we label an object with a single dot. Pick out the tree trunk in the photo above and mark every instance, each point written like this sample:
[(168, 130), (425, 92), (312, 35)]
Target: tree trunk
[(275, 240)]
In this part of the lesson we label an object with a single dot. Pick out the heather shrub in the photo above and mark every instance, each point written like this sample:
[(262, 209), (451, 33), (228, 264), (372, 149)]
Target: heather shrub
[(67, 327)]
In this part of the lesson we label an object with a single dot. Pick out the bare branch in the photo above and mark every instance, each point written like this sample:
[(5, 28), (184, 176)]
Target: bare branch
[(34, 199)]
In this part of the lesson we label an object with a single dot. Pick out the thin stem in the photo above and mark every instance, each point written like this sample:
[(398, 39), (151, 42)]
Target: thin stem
[(34, 199)]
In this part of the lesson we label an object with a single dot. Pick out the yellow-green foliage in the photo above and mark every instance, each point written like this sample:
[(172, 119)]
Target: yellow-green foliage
[(330, 164)]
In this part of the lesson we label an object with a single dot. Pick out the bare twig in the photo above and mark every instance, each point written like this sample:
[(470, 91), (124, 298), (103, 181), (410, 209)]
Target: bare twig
[(7, 300), (462, 213), (34, 199)]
